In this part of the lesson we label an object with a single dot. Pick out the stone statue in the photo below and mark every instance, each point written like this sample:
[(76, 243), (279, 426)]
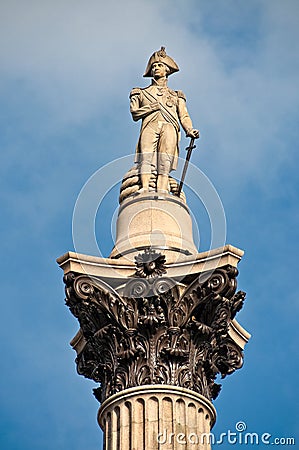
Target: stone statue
[(162, 110)]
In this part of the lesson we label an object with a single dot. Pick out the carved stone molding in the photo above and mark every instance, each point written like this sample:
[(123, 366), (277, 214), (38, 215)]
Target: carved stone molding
[(150, 264), (155, 333)]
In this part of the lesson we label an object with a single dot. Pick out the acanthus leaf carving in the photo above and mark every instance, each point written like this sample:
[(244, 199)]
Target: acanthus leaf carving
[(153, 335)]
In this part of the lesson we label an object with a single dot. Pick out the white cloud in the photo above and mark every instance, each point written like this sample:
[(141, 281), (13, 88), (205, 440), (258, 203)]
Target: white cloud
[(75, 53)]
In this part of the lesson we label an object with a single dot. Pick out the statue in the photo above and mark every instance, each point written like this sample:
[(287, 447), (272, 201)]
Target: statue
[(162, 110)]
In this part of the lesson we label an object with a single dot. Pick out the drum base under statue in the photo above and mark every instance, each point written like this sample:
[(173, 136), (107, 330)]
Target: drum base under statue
[(159, 221)]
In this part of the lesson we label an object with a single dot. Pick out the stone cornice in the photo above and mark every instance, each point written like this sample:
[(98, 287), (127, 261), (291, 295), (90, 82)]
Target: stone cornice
[(116, 271)]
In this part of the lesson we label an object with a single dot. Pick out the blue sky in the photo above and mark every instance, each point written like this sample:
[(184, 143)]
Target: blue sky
[(66, 70)]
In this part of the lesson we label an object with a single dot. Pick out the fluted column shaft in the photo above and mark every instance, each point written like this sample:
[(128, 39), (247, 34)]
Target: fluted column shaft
[(156, 417)]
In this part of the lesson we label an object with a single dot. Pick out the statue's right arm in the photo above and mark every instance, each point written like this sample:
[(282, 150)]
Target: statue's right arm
[(137, 108)]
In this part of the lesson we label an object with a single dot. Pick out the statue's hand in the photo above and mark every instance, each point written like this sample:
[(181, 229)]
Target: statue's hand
[(155, 106), (193, 133)]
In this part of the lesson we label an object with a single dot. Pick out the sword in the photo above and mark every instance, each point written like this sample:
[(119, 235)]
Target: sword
[(189, 151)]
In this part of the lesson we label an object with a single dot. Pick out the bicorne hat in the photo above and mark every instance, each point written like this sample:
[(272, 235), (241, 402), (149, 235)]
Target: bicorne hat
[(160, 56)]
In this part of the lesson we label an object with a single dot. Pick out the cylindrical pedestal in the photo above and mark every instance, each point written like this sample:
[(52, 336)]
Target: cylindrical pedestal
[(159, 221), (157, 417)]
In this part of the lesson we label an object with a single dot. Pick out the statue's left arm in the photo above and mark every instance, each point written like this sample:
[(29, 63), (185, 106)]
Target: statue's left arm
[(184, 117)]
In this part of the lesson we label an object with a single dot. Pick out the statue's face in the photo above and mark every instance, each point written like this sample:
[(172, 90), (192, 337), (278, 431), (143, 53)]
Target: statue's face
[(159, 70)]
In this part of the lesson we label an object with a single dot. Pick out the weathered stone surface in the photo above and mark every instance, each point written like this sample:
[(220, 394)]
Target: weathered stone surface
[(160, 221), (116, 271), (157, 417), (157, 331)]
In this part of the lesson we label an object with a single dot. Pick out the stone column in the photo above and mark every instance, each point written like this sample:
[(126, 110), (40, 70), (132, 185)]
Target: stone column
[(155, 342), (157, 417)]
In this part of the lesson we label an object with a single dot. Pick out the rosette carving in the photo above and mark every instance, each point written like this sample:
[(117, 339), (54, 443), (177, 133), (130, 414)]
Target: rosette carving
[(150, 264), (154, 333)]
